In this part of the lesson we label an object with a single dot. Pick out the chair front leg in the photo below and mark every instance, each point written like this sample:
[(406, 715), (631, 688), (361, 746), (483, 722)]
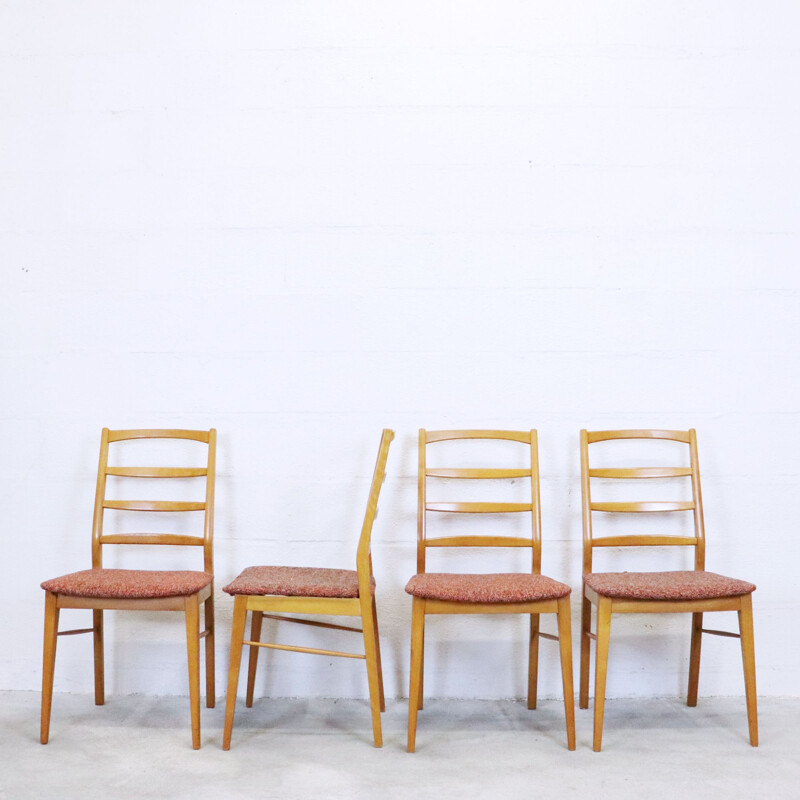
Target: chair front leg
[(533, 660), (601, 668), (99, 660), (749, 663), (192, 611), (237, 643), (694, 658), (415, 682), (565, 647), (51, 614), (211, 692)]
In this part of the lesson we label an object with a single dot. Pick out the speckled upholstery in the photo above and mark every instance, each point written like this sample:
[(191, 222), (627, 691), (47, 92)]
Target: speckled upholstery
[(681, 585), (129, 584), (502, 587), (297, 582)]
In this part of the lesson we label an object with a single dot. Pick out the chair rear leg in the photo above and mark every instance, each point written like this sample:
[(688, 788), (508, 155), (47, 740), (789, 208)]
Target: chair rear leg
[(378, 653), (255, 636), (211, 692), (373, 669), (533, 660), (237, 643), (749, 663), (51, 614), (99, 660), (694, 658), (586, 626), (192, 610), (601, 668), (415, 682), (565, 646)]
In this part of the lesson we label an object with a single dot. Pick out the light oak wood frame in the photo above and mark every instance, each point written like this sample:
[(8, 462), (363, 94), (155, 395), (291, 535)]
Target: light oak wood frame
[(606, 606), (276, 606), (421, 607), (190, 605)]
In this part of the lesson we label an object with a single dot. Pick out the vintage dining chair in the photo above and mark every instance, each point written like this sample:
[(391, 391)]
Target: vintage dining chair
[(276, 591), (134, 589), (694, 591), (495, 593)]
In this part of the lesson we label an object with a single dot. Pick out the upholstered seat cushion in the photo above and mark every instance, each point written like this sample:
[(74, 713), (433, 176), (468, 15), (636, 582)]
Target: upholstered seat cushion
[(129, 584), (681, 585), (297, 582), (502, 587)]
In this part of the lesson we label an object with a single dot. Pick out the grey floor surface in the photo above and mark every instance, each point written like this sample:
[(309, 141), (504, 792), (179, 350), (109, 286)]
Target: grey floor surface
[(139, 747)]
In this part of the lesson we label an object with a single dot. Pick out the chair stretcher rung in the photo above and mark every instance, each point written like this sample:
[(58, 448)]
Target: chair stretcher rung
[(721, 633), (312, 650), (549, 636), (75, 630), (316, 623), (591, 635)]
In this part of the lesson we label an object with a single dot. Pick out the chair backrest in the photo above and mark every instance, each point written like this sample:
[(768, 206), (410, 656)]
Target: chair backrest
[(102, 502), (530, 473), (695, 504), (363, 554)]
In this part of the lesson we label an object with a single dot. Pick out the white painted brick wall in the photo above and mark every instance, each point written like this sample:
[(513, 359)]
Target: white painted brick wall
[(303, 222)]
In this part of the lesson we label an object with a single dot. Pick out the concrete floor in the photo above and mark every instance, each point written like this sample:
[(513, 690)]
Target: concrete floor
[(139, 747)]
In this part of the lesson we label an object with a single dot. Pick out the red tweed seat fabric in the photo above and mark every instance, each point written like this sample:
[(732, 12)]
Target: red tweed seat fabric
[(681, 585), (297, 582), (129, 584), (501, 587)]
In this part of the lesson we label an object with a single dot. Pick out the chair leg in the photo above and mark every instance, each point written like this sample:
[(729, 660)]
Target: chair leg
[(415, 683), (211, 692), (192, 608), (421, 692), (99, 661), (373, 668), (600, 668), (533, 660), (565, 646), (255, 636), (51, 613), (586, 626), (378, 654), (694, 658), (749, 662), (237, 639)]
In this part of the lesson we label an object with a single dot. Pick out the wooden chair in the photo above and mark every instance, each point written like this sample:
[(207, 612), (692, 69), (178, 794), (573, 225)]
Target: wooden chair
[(499, 593), (276, 591), (145, 590), (694, 591)]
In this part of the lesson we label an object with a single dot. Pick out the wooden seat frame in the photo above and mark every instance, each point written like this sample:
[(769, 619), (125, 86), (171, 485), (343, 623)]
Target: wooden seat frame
[(421, 607), (276, 606), (188, 604), (606, 606)]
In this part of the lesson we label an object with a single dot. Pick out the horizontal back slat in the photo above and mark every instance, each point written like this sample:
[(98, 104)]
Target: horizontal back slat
[(603, 436), (644, 540), (158, 433), (645, 507), (479, 508), (479, 541), (453, 472), (152, 538), (442, 436), (157, 472), (153, 505), (641, 472)]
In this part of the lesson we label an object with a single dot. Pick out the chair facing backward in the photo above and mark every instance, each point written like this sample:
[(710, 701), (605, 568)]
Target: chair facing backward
[(694, 591), (499, 593), (316, 591), (140, 590)]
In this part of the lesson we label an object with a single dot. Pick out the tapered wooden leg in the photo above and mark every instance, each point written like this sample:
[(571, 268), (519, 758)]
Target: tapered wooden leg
[(415, 683), (533, 660), (749, 662), (586, 626), (421, 693), (237, 639), (600, 668), (99, 665), (193, 654), (257, 617), (370, 650), (210, 650), (378, 653), (565, 646), (694, 658), (51, 614)]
